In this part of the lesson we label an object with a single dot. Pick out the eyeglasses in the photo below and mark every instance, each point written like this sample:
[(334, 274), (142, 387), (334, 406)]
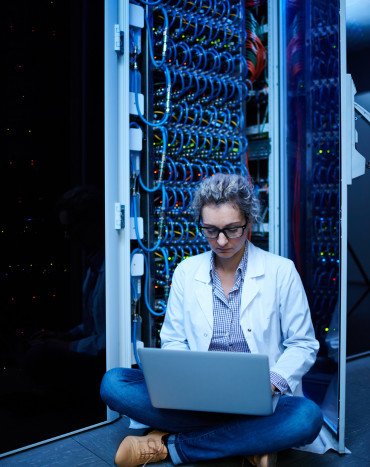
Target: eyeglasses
[(229, 232)]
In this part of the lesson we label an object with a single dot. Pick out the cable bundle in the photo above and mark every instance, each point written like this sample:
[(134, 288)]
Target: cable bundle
[(256, 52), (193, 121)]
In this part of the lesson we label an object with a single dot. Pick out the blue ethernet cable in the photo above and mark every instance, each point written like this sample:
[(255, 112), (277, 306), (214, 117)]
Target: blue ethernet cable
[(136, 225), (146, 292), (156, 63), (204, 165), (153, 3), (178, 234), (167, 105), (172, 201)]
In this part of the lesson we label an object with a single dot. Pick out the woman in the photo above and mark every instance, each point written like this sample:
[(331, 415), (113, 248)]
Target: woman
[(238, 298)]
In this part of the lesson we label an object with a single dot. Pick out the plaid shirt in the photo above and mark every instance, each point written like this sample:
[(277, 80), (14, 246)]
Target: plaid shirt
[(227, 332)]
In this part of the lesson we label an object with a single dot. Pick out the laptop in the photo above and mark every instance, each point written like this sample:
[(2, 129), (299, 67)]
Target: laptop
[(225, 382)]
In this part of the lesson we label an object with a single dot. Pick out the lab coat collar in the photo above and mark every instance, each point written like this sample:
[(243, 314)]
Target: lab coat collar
[(256, 265), (255, 268), (203, 286), (256, 261)]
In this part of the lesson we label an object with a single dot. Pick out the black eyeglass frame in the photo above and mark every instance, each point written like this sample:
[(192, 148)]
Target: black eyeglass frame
[(224, 230)]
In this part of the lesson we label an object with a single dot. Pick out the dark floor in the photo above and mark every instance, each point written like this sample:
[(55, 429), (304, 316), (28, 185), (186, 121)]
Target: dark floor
[(97, 447)]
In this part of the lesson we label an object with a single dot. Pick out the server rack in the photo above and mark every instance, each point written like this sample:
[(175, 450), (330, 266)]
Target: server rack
[(181, 105), (177, 107)]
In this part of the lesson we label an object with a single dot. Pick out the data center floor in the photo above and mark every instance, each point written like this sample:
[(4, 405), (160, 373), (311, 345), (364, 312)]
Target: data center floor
[(96, 447)]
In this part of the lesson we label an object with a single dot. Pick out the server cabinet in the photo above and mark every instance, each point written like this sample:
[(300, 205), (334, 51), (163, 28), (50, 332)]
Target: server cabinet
[(316, 149), (250, 87)]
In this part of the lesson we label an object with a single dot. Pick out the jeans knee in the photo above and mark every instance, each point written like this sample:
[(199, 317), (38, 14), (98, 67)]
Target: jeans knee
[(312, 419), (108, 383)]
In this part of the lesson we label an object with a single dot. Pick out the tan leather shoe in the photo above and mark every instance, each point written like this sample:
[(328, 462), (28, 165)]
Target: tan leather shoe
[(263, 460), (141, 450)]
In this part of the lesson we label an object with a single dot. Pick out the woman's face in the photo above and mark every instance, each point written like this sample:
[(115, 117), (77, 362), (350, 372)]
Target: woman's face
[(224, 216)]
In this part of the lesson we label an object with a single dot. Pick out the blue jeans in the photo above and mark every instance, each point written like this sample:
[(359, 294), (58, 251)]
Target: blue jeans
[(201, 436)]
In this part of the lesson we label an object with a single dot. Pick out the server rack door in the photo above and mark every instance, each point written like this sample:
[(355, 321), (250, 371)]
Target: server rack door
[(313, 195)]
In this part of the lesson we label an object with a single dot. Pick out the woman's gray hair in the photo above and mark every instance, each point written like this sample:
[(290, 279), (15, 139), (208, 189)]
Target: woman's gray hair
[(227, 188)]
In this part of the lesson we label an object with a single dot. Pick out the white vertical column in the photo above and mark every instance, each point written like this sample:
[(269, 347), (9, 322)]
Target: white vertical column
[(111, 185), (274, 164), (280, 144), (343, 245), (117, 190), (123, 175)]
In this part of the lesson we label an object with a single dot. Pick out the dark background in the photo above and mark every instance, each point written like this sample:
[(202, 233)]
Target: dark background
[(51, 139), (51, 124)]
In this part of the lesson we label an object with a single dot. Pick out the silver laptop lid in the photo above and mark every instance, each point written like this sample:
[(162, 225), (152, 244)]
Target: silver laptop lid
[(225, 382)]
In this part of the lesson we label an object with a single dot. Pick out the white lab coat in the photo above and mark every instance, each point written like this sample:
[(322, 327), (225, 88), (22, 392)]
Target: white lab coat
[(274, 313)]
